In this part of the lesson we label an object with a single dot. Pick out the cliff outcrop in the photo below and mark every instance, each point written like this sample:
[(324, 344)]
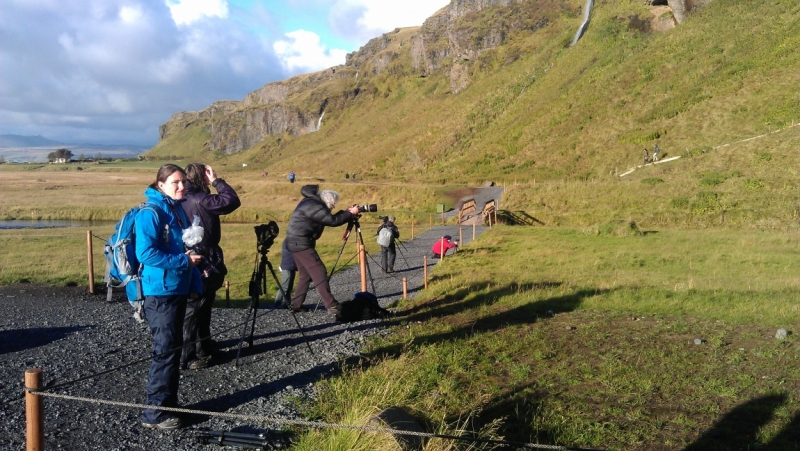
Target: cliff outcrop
[(447, 43)]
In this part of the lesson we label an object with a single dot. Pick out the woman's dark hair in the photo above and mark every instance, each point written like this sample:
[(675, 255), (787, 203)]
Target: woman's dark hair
[(196, 174), (164, 172)]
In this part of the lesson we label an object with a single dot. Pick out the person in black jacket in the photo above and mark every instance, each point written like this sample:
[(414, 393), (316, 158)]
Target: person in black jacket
[(305, 227), (208, 207), (389, 253)]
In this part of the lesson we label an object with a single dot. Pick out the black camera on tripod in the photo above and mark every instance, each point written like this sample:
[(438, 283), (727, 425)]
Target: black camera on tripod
[(371, 208), (265, 236)]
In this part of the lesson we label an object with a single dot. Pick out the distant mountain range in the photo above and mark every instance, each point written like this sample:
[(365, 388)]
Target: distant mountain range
[(19, 148), (27, 141)]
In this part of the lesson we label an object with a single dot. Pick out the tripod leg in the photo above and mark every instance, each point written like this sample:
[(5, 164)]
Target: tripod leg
[(244, 332), (300, 328)]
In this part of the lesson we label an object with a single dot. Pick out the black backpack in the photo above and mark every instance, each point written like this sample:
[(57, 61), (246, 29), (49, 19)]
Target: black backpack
[(363, 306)]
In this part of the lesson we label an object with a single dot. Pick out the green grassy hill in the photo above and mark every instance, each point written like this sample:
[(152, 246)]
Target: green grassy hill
[(536, 110)]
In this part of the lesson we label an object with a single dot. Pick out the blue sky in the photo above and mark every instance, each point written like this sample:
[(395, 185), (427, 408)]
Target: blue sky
[(112, 71)]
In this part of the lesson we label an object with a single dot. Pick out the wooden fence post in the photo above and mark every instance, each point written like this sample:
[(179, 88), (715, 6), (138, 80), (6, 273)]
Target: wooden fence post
[(91, 260), (431, 220), (460, 236), (228, 293), (425, 271), (473, 231), (442, 216), (405, 288), (362, 261), (412, 229), (34, 411)]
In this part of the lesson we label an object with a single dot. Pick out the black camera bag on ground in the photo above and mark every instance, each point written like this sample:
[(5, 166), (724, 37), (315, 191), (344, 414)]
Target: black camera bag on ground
[(363, 306)]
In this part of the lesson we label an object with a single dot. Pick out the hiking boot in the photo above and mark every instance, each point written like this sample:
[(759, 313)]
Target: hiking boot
[(198, 364), (166, 425), (390, 270), (334, 309), (300, 309)]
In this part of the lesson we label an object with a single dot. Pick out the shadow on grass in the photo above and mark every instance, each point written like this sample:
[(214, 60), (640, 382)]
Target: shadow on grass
[(740, 428), (453, 303)]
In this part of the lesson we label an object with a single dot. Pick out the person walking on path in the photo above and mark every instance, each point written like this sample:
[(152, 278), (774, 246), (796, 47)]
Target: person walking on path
[(169, 276), (646, 157), (387, 233), (291, 177), (656, 150), (208, 208), (305, 227)]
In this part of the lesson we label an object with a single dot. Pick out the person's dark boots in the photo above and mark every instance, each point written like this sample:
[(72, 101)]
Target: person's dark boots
[(390, 270)]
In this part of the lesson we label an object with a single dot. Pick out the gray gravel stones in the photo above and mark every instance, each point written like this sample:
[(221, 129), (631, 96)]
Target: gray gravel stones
[(70, 334)]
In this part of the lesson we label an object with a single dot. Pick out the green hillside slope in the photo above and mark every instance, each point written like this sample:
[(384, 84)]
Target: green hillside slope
[(536, 110)]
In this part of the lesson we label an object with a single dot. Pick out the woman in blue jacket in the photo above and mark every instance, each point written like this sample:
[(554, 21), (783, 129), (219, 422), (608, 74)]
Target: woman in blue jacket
[(168, 277)]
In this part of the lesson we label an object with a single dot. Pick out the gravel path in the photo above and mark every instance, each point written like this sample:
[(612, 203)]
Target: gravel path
[(69, 334)]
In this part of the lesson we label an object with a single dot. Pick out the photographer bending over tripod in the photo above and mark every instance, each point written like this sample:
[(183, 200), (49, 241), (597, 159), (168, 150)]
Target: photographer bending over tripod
[(305, 227)]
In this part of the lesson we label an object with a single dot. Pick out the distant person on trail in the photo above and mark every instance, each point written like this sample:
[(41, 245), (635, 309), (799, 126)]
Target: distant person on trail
[(169, 277), (208, 207), (288, 268), (441, 246), (291, 177), (655, 153), (388, 252), (646, 157)]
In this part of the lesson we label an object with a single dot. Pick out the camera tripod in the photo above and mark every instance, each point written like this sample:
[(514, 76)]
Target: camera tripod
[(400, 243), (353, 223), (257, 287)]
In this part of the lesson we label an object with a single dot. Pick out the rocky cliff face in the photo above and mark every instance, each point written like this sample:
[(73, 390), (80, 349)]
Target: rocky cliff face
[(680, 8), (446, 43)]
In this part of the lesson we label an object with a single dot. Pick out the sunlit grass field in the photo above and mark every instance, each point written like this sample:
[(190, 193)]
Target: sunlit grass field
[(570, 337)]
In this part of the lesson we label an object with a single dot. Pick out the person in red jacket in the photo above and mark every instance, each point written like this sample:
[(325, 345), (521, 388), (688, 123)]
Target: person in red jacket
[(442, 245)]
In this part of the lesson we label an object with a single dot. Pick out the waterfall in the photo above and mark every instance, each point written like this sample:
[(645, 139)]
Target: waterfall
[(319, 122), (587, 11)]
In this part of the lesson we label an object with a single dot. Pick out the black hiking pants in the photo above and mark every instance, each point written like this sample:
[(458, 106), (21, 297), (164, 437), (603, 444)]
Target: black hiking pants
[(197, 321), (165, 317)]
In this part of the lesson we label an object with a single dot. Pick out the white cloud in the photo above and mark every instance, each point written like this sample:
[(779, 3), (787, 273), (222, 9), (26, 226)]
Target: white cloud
[(184, 12), (304, 52), (130, 14), (362, 20), (122, 67)]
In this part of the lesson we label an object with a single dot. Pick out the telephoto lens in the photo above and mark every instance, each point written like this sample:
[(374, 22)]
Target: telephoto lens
[(371, 208)]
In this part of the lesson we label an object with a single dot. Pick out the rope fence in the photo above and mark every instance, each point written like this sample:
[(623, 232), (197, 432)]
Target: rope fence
[(302, 423)]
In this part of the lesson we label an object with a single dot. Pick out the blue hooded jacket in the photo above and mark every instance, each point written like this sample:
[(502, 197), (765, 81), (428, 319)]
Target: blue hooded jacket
[(160, 249)]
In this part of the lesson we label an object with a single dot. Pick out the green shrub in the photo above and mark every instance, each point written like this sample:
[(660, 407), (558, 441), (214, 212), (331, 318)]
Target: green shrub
[(652, 181), (712, 178), (619, 228), (679, 203), (705, 203), (753, 184)]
